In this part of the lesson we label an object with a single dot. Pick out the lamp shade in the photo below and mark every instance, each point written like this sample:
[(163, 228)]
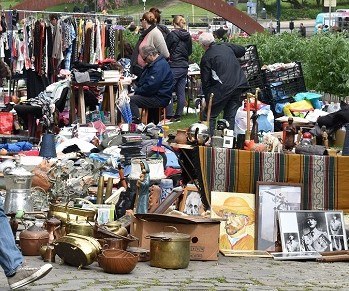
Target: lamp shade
[(48, 146)]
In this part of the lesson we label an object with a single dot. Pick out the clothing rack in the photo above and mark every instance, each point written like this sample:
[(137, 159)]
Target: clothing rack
[(75, 14)]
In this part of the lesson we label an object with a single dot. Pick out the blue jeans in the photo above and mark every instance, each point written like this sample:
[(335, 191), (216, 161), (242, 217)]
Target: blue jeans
[(179, 82), (10, 256)]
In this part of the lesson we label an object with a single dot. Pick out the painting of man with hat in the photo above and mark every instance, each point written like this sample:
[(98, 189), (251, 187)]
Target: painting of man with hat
[(238, 215)]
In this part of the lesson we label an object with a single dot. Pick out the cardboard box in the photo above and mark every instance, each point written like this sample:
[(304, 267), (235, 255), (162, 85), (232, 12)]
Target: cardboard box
[(204, 232)]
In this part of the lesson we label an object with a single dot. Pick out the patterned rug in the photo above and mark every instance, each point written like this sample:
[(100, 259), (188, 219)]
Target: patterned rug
[(325, 179)]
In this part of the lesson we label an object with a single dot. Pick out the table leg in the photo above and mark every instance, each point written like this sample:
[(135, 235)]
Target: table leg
[(72, 107), (112, 105), (81, 105)]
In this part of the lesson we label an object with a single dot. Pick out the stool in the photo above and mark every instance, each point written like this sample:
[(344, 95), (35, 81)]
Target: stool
[(144, 112)]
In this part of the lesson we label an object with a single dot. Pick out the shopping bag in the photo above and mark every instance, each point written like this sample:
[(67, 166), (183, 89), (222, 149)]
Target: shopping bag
[(6, 122)]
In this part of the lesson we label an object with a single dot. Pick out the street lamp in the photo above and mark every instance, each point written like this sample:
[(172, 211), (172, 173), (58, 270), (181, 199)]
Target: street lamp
[(144, 4)]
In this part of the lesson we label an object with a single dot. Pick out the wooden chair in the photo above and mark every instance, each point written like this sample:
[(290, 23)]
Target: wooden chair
[(145, 118)]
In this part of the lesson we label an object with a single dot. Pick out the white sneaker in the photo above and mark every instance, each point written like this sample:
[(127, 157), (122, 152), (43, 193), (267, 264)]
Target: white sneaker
[(26, 276)]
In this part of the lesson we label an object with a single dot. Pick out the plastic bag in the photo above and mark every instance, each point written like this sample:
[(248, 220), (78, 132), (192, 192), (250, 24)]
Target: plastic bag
[(6, 122)]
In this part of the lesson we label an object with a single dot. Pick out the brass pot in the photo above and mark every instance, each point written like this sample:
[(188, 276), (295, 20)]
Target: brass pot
[(77, 250), (80, 227), (31, 239), (169, 250)]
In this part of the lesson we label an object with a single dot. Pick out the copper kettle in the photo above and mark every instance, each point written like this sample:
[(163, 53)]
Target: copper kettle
[(31, 239)]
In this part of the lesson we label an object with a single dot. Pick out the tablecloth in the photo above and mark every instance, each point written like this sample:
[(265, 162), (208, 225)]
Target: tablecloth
[(325, 179)]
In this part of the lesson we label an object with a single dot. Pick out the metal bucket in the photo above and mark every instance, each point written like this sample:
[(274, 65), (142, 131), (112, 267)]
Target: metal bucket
[(18, 199)]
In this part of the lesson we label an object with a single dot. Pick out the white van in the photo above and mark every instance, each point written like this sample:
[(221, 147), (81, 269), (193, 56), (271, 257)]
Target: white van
[(340, 18)]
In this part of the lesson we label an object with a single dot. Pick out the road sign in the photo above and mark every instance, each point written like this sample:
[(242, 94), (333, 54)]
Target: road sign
[(330, 3)]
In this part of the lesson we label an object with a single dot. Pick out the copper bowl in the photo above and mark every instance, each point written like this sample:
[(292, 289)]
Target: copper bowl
[(117, 261)]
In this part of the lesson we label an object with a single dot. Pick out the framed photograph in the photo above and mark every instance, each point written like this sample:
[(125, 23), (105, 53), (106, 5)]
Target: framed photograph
[(270, 198), (237, 214), (296, 256), (191, 202), (312, 230)]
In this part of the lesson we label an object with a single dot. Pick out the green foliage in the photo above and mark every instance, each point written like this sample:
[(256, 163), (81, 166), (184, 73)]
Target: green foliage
[(324, 57)]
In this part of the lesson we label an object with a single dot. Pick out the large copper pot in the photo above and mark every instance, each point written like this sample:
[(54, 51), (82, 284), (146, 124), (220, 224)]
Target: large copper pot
[(169, 250)]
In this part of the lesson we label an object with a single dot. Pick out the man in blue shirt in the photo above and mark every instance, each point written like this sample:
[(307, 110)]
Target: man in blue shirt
[(154, 88)]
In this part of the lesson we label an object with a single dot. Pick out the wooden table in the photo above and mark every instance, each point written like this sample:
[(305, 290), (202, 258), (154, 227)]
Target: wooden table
[(81, 100)]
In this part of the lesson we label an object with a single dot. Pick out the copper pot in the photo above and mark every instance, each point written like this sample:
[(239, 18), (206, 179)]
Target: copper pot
[(31, 239), (114, 243), (169, 250)]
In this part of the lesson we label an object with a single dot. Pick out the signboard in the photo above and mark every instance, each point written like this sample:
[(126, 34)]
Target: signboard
[(330, 3), (251, 8)]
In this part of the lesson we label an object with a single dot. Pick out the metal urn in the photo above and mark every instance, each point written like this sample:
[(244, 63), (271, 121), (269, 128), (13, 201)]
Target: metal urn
[(18, 197)]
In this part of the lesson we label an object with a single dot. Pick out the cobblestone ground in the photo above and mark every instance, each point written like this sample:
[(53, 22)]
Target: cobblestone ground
[(228, 273)]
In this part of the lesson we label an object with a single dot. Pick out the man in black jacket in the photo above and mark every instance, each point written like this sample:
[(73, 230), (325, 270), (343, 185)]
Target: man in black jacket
[(221, 75)]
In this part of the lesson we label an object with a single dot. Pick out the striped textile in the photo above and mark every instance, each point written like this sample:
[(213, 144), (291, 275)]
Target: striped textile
[(325, 179)]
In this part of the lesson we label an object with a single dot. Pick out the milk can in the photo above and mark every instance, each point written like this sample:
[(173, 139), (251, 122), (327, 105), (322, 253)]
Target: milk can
[(18, 197)]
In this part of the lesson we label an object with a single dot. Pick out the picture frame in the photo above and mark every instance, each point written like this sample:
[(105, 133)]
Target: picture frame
[(271, 197), (296, 256), (313, 230), (236, 253), (236, 211), (191, 202)]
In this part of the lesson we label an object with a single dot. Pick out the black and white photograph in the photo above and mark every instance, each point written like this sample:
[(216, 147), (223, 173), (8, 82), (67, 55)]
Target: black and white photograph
[(292, 242), (313, 231), (336, 230), (319, 231), (273, 197)]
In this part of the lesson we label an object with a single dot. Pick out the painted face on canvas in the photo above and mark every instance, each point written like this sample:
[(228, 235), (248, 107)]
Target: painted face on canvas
[(235, 223)]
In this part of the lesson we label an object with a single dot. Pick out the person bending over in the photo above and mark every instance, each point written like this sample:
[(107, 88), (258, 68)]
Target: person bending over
[(222, 75)]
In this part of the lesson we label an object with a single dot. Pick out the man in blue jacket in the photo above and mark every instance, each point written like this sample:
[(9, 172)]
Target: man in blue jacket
[(221, 75), (154, 88)]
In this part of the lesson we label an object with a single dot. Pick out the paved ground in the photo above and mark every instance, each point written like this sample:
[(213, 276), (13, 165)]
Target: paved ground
[(228, 273)]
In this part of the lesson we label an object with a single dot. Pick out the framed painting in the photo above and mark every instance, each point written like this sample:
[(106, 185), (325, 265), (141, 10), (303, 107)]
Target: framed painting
[(191, 202), (237, 214), (270, 198), (312, 230)]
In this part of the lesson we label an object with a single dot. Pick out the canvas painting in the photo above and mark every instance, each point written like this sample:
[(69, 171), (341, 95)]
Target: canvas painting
[(312, 230), (272, 197), (237, 214)]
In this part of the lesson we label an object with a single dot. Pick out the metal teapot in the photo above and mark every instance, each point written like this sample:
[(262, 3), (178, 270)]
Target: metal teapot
[(198, 133)]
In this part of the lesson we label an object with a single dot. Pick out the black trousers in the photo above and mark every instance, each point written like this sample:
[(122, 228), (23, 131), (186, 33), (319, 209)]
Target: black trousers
[(229, 105)]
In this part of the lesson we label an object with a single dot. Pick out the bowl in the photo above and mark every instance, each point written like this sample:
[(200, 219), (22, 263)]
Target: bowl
[(115, 261)]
